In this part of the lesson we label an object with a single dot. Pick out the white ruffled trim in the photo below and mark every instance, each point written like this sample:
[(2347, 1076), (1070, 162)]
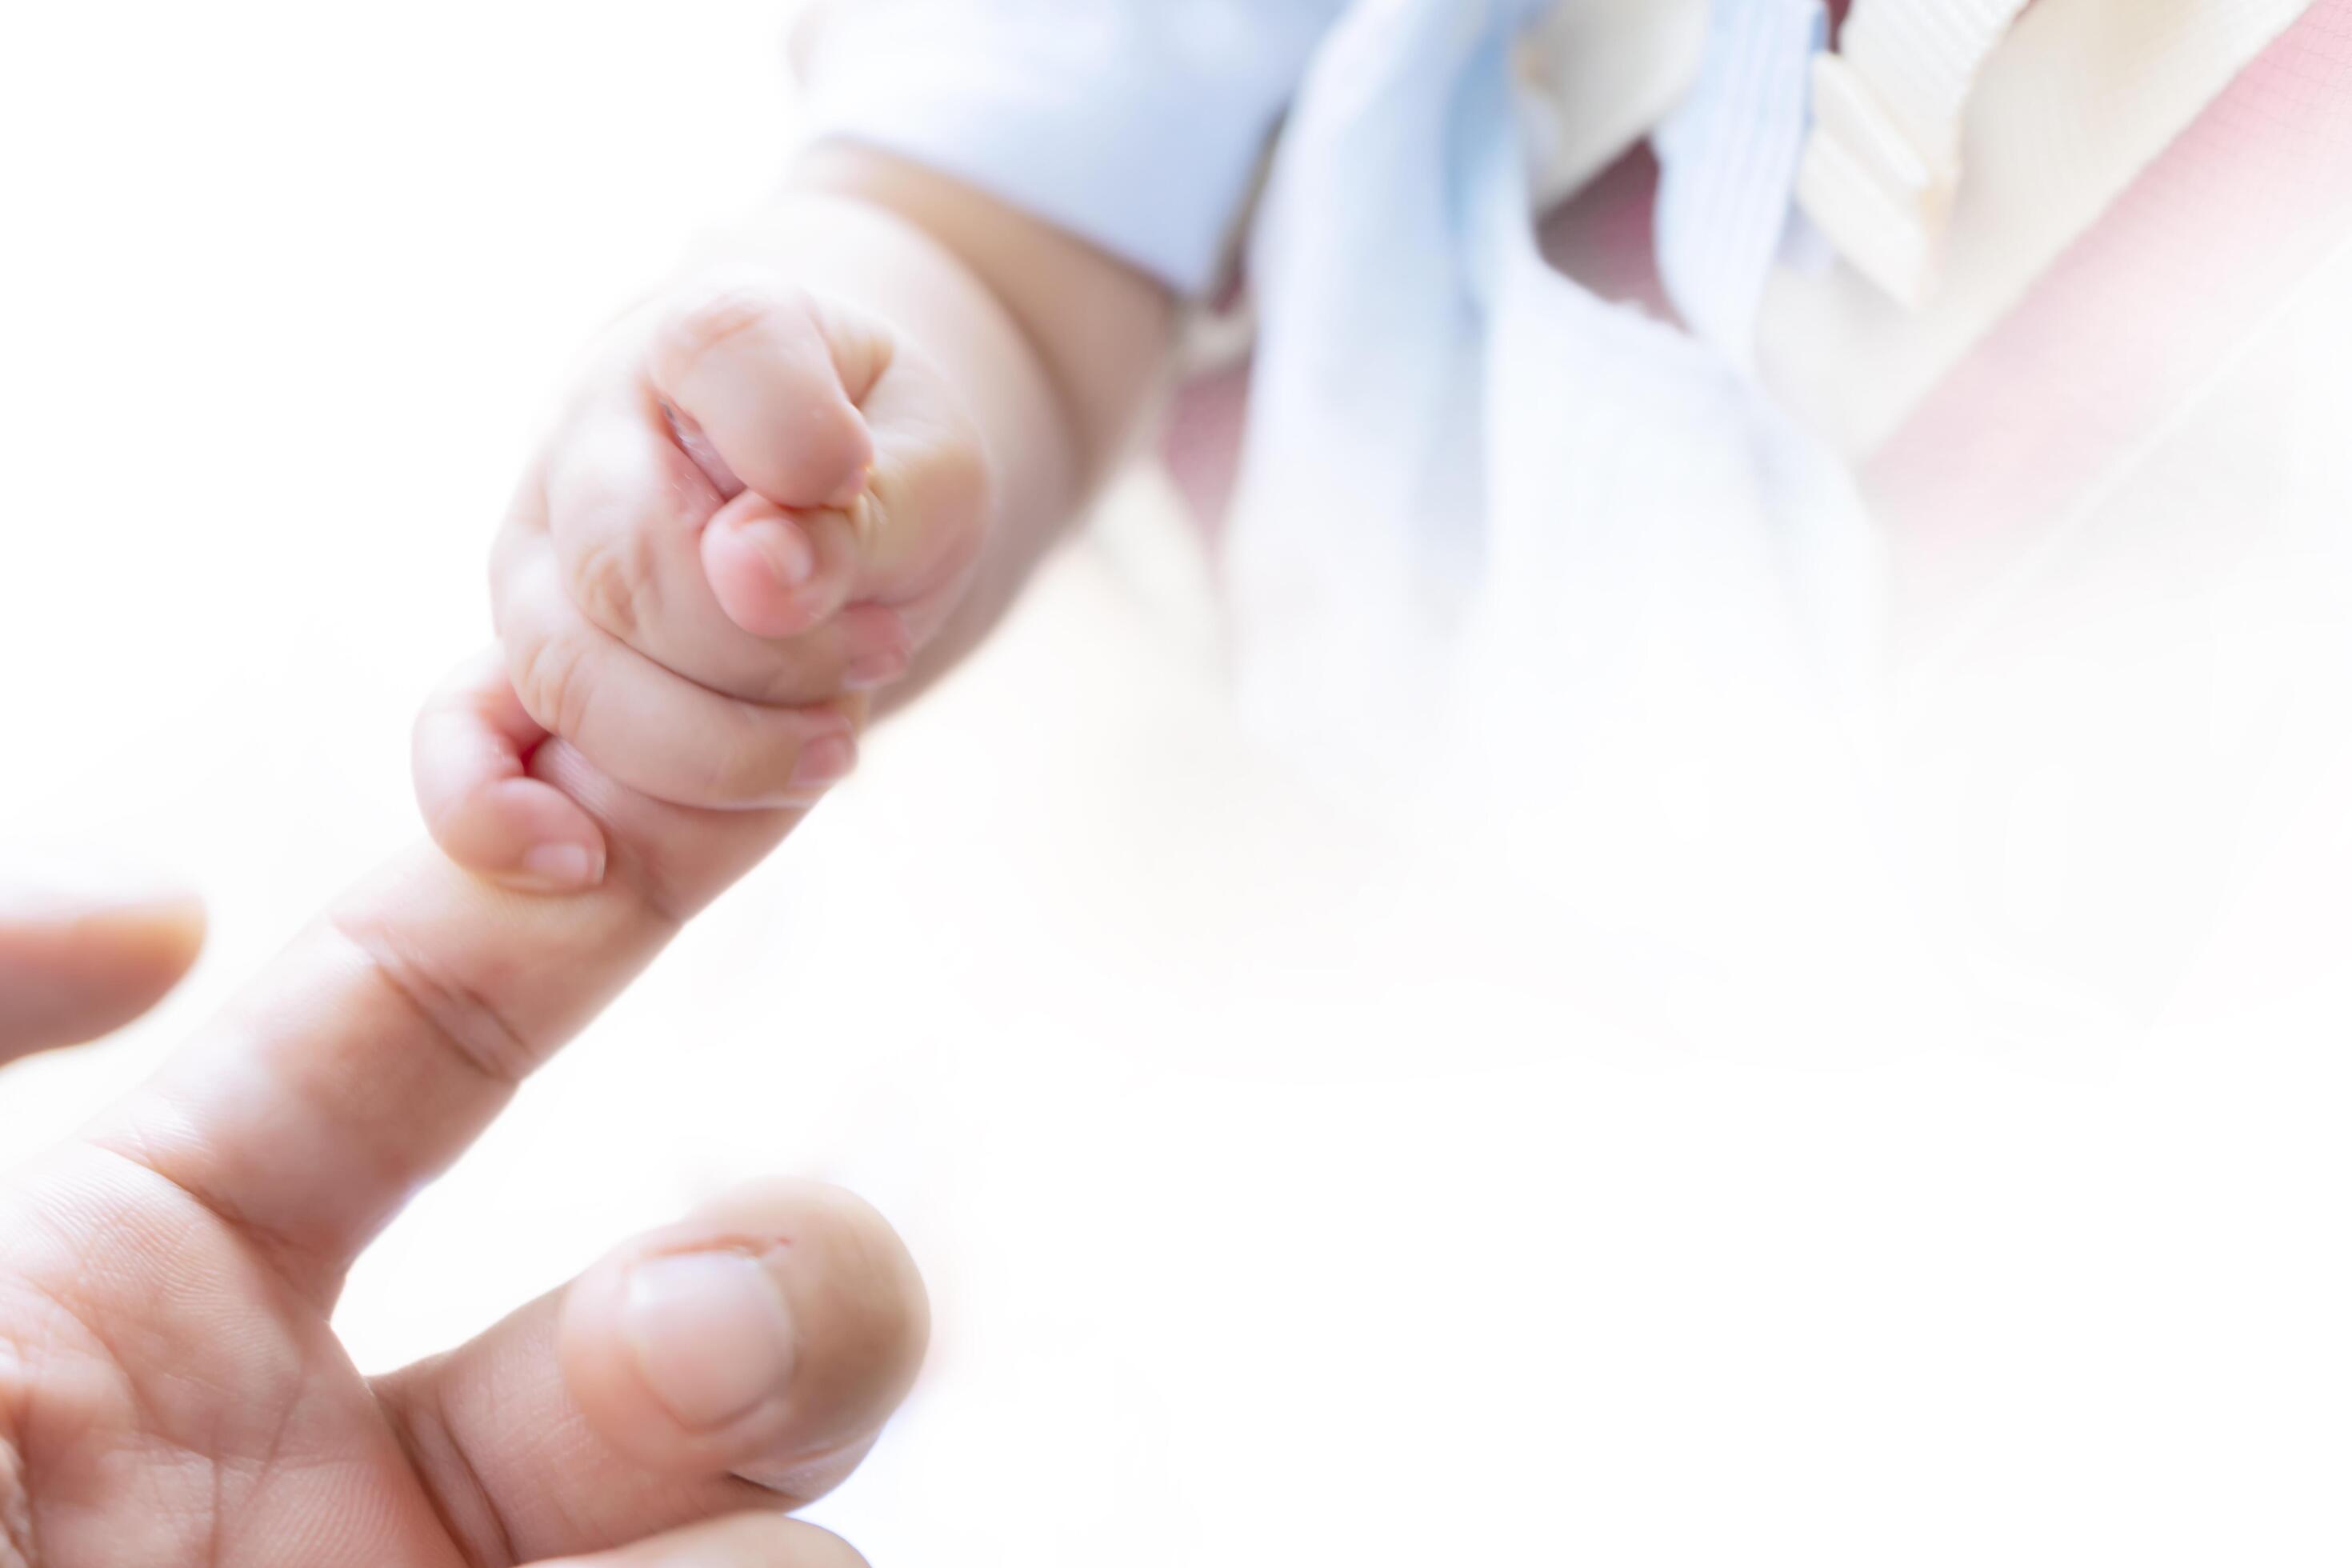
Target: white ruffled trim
[(1883, 171)]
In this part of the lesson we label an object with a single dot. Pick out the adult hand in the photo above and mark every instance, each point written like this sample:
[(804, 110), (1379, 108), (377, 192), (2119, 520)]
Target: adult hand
[(169, 1390)]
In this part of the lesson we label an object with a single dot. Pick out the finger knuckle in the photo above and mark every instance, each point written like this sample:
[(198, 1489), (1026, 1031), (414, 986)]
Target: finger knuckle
[(615, 582), (945, 497), (864, 347), (749, 766), (963, 483), (798, 676), (720, 310), (553, 682), (456, 1011), (438, 1449)]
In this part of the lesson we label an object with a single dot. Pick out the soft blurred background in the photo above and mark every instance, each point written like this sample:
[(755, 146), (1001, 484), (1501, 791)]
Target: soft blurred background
[(1288, 1194)]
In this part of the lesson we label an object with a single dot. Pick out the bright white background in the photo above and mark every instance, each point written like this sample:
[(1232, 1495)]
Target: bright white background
[(1281, 1203)]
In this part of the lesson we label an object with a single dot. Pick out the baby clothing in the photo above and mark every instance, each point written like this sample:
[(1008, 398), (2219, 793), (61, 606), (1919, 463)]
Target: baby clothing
[(1141, 124), (1420, 137), (1505, 560), (1599, 583)]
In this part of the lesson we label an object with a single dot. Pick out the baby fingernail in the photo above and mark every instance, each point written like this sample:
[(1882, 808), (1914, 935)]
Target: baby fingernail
[(563, 865), (824, 764), (852, 490), (785, 549), (711, 1334), (877, 666)]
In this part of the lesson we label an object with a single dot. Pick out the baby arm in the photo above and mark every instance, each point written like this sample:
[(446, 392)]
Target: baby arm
[(816, 465)]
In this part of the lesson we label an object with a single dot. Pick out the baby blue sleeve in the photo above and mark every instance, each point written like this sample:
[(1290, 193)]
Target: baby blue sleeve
[(1135, 124)]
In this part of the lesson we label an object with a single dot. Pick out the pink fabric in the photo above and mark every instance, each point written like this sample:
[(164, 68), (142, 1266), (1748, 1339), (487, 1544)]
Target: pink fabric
[(2132, 319)]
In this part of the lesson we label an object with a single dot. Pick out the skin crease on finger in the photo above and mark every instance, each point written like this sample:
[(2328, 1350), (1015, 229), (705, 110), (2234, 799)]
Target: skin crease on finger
[(238, 1414), (940, 443), (17, 1543), (169, 1392), (663, 558), (149, 1351)]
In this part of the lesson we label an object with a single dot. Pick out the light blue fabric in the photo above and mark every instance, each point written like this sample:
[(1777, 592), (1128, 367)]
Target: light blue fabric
[(1137, 124), (1503, 557), (1728, 162), (1544, 566)]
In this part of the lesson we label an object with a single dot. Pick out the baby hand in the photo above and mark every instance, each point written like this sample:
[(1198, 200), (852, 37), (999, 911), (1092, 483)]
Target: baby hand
[(759, 505)]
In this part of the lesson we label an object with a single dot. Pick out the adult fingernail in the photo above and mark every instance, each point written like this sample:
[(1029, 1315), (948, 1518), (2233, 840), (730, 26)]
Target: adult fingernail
[(824, 764), (563, 865), (711, 1334)]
